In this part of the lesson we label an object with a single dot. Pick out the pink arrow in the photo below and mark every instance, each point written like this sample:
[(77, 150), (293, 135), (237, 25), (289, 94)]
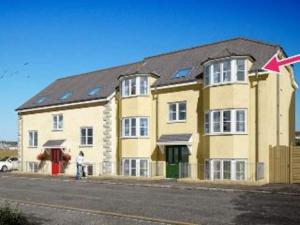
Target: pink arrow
[(274, 63)]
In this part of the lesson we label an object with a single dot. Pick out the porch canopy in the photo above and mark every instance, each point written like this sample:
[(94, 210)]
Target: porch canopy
[(54, 144), (175, 139)]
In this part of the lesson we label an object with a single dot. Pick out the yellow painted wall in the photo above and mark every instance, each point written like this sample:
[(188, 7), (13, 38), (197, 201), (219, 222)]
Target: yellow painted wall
[(74, 119)]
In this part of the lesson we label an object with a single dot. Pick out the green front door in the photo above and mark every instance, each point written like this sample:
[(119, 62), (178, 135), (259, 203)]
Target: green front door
[(173, 154)]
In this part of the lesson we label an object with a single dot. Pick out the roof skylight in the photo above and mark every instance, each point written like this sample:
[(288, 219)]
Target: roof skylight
[(183, 72), (94, 91), (66, 95), (41, 100)]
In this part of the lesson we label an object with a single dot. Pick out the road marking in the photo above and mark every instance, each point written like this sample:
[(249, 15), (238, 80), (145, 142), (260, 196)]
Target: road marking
[(98, 212)]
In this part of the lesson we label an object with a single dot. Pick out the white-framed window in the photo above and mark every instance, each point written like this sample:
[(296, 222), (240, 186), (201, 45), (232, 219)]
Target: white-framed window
[(216, 119), (225, 169), (240, 121), (225, 71), (58, 121), (135, 127), (177, 111), (240, 170), (240, 70), (33, 167), (135, 167), (206, 123), (231, 121), (86, 136), (33, 138), (135, 86)]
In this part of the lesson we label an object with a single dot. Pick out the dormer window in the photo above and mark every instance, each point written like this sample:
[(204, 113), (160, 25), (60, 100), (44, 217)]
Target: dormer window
[(135, 86), (225, 71)]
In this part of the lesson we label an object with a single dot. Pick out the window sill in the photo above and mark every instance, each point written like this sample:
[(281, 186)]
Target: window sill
[(225, 134), (32, 147), (85, 146), (134, 96), (57, 130), (176, 121), (138, 137), (225, 84)]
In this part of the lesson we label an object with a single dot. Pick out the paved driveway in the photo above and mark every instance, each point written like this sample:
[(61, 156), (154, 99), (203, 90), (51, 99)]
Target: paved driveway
[(59, 201)]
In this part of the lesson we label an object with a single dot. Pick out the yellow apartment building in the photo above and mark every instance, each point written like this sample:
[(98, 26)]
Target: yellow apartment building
[(208, 112)]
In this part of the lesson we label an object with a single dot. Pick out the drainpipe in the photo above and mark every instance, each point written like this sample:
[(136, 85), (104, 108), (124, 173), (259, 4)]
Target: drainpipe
[(156, 129), (256, 125), (277, 111)]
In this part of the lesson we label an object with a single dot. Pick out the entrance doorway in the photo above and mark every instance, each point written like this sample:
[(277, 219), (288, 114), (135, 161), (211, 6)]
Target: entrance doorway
[(56, 160), (176, 161)]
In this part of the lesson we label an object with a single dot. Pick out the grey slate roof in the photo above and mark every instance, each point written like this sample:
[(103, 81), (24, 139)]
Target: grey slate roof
[(174, 137), (53, 143), (164, 65)]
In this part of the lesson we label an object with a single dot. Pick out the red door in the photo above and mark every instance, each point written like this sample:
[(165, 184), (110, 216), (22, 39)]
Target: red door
[(55, 157)]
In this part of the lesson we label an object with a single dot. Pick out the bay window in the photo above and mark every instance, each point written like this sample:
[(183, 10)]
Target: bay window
[(135, 127), (225, 169), (135, 86), (231, 121), (225, 71), (135, 167)]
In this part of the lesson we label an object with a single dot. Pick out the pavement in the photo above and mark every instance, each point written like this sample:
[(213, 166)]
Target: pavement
[(62, 200)]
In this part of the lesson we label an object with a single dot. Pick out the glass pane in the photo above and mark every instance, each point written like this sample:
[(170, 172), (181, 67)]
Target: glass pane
[(143, 85), (143, 167), (240, 121), (182, 72), (207, 170), (133, 86), (126, 127), (172, 112), (35, 138), (206, 75), (206, 122), (226, 121), (227, 70), (217, 169), (30, 139), (90, 132), (217, 73), (216, 121), (240, 170), (60, 124), (90, 140), (144, 127), (126, 167), (176, 155), (133, 167), (240, 76), (240, 69), (226, 169), (83, 141), (126, 88), (133, 126), (182, 111)]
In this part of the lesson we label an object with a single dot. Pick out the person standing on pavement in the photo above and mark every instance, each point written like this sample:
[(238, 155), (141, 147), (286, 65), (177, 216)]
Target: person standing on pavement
[(79, 163)]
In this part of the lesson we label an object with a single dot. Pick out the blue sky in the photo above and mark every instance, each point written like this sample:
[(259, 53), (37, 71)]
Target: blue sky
[(60, 38)]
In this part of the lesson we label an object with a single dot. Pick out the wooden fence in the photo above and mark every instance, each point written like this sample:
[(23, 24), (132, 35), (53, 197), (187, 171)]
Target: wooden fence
[(295, 165), (279, 164), (284, 164)]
